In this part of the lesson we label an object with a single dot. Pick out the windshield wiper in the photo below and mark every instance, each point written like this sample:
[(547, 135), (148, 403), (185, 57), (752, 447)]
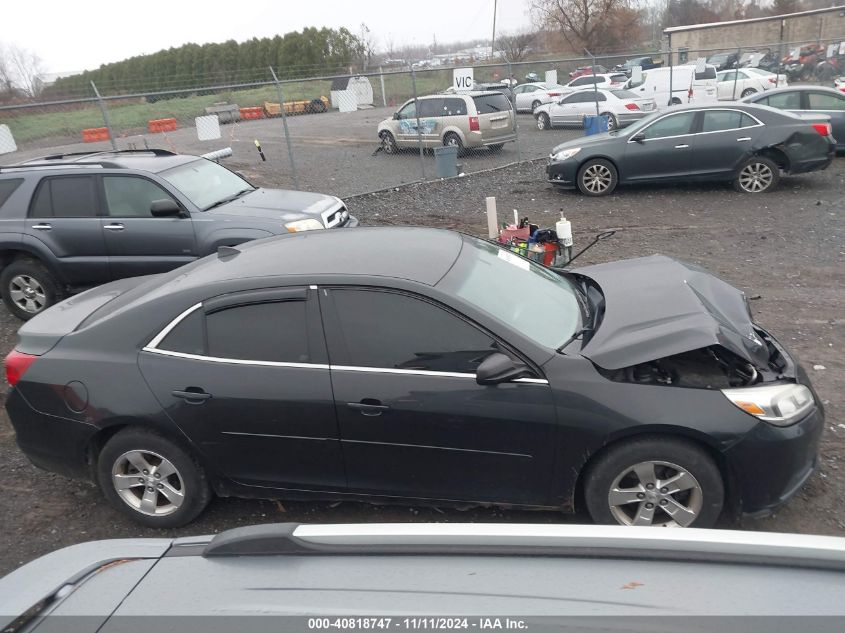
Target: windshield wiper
[(575, 335), (234, 196)]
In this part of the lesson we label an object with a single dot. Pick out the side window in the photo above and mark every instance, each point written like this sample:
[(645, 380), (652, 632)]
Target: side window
[(718, 120), (728, 76), (431, 107), (65, 197), (394, 331), (7, 188), (673, 125), (822, 101), (409, 111), (454, 107), (131, 197), (785, 101), (274, 332)]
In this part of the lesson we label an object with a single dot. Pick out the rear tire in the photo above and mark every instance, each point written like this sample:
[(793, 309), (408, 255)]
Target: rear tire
[(450, 139), (748, 92), (28, 288), (612, 122), (614, 482), (543, 121), (132, 460), (496, 147), (757, 175), (597, 177), (317, 106)]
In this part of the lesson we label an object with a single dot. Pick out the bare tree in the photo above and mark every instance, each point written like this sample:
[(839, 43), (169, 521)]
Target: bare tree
[(366, 46), (594, 24), (515, 46), (20, 69)]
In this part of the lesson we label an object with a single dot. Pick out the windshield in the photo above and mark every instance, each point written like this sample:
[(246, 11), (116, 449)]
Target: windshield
[(205, 183), (529, 298)]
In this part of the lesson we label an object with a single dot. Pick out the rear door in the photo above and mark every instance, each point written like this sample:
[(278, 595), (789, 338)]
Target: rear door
[(833, 105), (414, 422), (665, 152), (245, 377), (724, 141), (569, 110), (138, 243), (64, 217), (495, 117)]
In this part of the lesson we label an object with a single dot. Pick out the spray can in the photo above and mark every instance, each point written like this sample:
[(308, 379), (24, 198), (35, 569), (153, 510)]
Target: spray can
[(563, 228)]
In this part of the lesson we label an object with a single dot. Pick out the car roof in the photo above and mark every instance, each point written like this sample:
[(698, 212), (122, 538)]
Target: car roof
[(153, 160), (416, 254), (805, 88)]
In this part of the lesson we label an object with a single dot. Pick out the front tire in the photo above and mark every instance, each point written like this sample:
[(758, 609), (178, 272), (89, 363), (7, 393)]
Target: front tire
[(535, 105), (28, 288), (543, 121), (757, 175), (655, 481), (388, 143), (152, 480), (597, 177)]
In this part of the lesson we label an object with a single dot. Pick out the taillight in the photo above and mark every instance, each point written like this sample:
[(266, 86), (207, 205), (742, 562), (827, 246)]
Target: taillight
[(16, 365), (773, 80), (473, 124), (632, 106), (822, 128), (554, 94), (690, 93)]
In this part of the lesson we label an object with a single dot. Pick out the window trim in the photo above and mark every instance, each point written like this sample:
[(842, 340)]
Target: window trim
[(732, 129), (668, 114), (152, 347)]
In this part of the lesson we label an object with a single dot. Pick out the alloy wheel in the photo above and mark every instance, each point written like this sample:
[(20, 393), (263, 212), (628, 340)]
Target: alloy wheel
[(755, 177), (597, 178), (655, 493), (27, 293), (148, 483)]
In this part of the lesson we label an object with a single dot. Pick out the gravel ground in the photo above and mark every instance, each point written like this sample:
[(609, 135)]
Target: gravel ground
[(785, 249)]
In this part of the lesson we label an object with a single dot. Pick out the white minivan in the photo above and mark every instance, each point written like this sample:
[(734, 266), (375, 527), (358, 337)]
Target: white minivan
[(688, 86)]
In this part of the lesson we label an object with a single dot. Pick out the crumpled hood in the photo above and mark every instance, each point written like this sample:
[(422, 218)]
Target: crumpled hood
[(279, 204), (657, 307)]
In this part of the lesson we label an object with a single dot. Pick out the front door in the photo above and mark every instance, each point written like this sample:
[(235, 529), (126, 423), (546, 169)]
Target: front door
[(245, 377), (414, 422), (664, 151), (64, 217), (138, 243)]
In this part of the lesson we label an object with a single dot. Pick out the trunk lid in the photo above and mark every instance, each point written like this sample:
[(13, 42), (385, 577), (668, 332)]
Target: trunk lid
[(41, 333), (657, 307)]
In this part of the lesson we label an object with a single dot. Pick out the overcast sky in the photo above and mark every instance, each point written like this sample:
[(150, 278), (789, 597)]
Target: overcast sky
[(82, 35)]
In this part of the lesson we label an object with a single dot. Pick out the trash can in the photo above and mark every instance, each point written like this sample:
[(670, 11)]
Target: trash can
[(446, 161), (595, 124)]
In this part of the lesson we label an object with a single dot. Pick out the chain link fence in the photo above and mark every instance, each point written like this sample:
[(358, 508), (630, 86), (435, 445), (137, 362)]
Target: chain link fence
[(349, 134)]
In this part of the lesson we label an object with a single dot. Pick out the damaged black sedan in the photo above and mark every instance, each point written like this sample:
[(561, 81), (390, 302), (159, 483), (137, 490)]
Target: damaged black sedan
[(436, 368), (748, 145)]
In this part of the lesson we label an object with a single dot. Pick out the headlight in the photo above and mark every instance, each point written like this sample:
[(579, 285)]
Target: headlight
[(781, 404), (567, 153), (303, 225)]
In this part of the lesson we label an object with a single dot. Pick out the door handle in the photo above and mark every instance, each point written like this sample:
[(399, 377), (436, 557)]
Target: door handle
[(114, 227), (681, 146), (42, 227), (192, 395), (744, 138), (369, 407)]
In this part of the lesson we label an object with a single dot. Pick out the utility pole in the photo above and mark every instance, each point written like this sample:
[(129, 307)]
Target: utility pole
[(493, 40)]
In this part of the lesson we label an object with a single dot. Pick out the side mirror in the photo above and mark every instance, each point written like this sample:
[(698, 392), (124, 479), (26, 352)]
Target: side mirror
[(498, 367), (395, 116), (165, 208), (639, 137)]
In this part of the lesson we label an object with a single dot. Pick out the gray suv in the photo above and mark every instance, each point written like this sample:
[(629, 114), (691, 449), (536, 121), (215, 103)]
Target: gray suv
[(72, 221)]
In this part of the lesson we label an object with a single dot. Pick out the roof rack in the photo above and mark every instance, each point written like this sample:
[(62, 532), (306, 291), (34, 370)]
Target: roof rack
[(80, 155), (573, 541), (6, 168)]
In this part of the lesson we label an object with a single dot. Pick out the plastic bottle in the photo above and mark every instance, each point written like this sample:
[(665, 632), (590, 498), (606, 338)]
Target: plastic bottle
[(563, 228)]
